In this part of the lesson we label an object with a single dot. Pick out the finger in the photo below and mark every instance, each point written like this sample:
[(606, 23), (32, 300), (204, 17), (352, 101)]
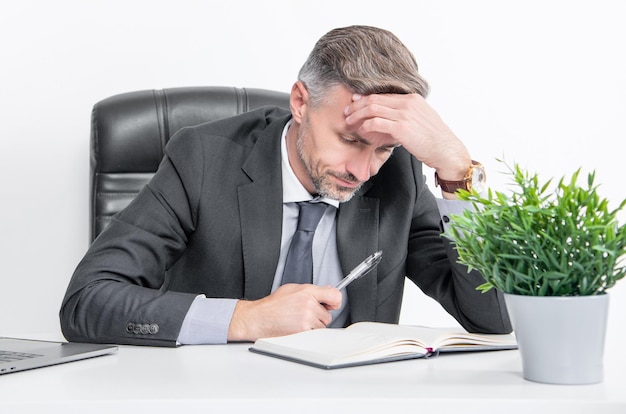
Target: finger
[(325, 319), (375, 108), (329, 297), (357, 106)]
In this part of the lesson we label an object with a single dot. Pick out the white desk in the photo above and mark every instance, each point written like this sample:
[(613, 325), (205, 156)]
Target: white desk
[(229, 378)]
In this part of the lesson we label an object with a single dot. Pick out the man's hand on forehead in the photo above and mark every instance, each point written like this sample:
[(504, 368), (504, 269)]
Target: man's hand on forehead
[(410, 121)]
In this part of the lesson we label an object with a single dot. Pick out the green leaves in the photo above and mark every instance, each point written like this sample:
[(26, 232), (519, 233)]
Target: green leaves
[(542, 242)]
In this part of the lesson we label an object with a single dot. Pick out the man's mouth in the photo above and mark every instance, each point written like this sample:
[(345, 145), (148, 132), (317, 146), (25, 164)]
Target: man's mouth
[(346, 182)]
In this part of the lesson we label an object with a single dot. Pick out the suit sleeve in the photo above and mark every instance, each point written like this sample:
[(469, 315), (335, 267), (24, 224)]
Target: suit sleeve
[(115, 294), (433, 265)]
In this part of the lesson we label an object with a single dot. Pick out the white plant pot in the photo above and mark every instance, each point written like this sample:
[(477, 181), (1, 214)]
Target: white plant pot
[(561, 339)]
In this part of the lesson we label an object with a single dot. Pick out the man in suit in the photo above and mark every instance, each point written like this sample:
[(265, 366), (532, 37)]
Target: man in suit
[(198, 256)]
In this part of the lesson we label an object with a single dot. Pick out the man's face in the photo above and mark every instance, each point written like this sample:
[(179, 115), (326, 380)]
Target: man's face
[(336, 158)]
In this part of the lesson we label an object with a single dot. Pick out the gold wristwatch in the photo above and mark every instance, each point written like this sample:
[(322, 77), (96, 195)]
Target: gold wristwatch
[(474, 179)]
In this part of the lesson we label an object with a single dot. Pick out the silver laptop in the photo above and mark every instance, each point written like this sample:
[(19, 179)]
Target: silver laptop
[(22, 354)]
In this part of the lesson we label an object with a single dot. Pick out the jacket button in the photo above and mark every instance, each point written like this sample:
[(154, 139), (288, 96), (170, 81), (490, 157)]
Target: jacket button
[(154, 329), (130, 328)]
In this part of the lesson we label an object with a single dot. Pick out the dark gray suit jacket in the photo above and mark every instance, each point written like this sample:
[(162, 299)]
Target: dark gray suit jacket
[(210, 222)]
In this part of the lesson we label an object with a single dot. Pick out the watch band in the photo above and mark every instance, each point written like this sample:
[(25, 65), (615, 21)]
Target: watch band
[(450, 186)]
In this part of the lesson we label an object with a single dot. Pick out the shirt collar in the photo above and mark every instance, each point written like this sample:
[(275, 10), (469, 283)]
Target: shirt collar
[(293, 190)]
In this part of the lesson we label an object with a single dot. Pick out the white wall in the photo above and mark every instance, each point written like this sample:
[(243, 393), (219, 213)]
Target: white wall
[(539, 82)]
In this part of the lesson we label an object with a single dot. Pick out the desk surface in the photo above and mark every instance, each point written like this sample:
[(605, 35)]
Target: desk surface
[(192, 379)]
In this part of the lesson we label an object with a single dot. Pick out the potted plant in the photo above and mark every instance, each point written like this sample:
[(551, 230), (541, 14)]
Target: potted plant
[(553, 252)]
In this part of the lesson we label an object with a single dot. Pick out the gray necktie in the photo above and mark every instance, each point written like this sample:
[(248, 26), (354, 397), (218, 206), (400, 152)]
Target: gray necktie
[(299, 263)]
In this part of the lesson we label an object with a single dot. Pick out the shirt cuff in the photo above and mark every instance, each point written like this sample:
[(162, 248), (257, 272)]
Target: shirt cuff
[(449, 207), (207, 321)]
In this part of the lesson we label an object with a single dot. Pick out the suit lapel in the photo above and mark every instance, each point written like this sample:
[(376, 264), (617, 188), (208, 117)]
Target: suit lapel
[(357, 238), (261, 212)]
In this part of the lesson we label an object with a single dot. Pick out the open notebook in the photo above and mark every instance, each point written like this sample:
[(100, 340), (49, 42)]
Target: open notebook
[(374, 342), (22, 354)]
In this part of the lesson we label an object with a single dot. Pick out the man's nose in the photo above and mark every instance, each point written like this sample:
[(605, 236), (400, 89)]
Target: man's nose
[(363, 166)]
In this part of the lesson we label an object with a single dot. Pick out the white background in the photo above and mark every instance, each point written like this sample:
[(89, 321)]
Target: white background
[(542, 83)]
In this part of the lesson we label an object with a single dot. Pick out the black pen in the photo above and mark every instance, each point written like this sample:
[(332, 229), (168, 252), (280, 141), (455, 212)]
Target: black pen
[(361, 269)]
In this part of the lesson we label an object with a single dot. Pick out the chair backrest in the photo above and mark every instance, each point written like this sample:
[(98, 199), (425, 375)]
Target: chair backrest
[(130, 130)]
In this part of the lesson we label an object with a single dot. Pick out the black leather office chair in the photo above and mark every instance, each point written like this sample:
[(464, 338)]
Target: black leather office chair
[(130, 130)]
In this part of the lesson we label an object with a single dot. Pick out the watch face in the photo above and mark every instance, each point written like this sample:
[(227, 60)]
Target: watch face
[(479, 179)]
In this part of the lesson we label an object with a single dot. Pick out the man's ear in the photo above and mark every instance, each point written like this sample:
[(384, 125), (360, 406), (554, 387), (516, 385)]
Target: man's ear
[(298, 101)]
